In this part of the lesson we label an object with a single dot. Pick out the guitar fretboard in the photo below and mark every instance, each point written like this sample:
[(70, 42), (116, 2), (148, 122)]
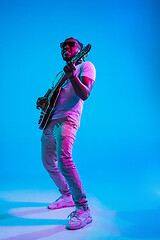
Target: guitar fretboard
[(75, 59)]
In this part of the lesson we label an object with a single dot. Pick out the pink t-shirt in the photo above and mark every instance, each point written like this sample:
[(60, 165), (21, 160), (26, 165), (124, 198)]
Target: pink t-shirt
[(68, 102)]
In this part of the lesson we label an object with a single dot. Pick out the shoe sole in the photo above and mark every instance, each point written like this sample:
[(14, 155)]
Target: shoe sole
[(88, 220)]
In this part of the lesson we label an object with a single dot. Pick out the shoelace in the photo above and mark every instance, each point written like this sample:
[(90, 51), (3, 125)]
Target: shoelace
[(73, 214), (58, 199)]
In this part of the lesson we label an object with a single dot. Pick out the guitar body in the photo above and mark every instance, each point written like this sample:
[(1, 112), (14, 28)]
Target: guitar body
[(46, 114), (47, 109)]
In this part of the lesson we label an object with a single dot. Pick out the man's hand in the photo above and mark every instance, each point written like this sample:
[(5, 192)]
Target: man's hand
[(41, 102), (69, 69)]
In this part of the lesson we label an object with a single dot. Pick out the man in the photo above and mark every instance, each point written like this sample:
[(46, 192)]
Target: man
[(59, 135)]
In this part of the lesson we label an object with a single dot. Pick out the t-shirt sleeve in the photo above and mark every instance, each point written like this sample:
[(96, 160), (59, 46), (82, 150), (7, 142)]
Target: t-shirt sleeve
[(88, 70)]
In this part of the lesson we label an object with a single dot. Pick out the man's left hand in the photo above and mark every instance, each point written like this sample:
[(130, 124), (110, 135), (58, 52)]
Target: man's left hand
[(69, 69)]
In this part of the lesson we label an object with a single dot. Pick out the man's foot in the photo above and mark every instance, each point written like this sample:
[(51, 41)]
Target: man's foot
[(62, 202), (79, 219)]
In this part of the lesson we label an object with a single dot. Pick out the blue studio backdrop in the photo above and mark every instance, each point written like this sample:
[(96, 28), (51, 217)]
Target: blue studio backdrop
[(119, 137)]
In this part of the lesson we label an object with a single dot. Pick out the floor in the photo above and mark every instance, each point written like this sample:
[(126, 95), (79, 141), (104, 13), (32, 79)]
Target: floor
[(24, 216)]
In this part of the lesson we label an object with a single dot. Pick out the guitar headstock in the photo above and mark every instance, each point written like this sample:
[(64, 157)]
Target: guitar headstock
[(82, 53)]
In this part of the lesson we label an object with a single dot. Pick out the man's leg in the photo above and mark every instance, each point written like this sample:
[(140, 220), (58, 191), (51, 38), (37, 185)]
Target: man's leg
[(65, 132), (50, 163)]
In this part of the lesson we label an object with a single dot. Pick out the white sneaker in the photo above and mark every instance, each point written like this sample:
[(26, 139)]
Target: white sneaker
[(62, 202), (79, 219)]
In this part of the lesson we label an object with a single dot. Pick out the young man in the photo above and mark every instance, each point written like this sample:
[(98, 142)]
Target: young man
[(59, 135)]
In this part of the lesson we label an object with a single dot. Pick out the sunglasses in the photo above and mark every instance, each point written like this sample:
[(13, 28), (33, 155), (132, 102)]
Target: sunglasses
[(70, 44)]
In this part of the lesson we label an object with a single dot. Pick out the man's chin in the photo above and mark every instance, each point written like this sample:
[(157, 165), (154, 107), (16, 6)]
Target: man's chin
[(66, 58)]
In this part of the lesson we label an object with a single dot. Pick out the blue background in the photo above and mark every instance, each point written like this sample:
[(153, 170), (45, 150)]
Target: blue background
[(117, 148)]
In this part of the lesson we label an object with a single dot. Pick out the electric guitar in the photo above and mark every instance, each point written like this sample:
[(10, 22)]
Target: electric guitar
[(48, 107)]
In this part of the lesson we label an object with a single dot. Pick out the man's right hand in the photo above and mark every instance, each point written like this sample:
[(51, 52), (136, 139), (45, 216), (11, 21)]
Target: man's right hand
[(41, 102)]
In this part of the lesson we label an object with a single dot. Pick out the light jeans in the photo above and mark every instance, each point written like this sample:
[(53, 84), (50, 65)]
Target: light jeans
[(57, 143)]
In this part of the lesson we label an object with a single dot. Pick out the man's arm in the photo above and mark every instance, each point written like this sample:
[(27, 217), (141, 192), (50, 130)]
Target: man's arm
[(81, 86)]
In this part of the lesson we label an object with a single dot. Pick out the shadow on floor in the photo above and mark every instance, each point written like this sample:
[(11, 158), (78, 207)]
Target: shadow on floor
[(7, 219)]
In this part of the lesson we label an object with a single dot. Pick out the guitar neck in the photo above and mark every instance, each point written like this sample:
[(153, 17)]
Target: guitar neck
[(74, 60), (59, 82)]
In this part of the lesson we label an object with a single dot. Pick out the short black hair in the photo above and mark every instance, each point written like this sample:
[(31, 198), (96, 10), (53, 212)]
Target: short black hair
[(80, 44)]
